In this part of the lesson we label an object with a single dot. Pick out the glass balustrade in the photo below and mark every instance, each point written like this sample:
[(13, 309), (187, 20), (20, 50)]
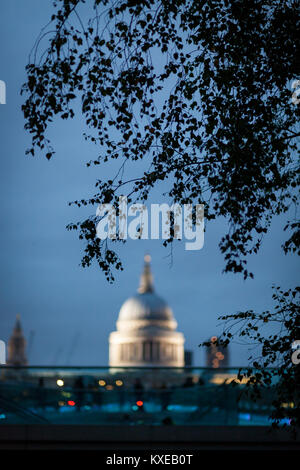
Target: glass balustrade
[(129, 396)]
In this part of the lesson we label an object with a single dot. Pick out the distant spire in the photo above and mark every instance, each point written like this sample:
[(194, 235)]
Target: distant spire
[(18, 326), (146, 281), (17, 346)]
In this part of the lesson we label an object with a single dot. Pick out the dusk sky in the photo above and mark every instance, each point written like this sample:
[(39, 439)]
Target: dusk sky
[(72, 310)]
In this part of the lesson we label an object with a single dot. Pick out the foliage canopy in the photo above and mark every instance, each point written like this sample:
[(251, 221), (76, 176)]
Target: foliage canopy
[(273, 363), (199, 91)]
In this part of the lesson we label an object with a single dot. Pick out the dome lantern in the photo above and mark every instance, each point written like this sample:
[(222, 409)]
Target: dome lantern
[(146, 281)]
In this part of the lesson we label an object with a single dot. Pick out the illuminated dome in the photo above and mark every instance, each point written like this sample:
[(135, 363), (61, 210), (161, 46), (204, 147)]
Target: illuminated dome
[(146, 329), (146, 305)]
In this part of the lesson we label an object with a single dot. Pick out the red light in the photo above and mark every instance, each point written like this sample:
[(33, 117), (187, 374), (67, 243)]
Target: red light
[(71, 403), (139, 403)]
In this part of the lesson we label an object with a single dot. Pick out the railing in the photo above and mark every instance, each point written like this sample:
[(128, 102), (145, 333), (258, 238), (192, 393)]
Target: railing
[(128, 396)]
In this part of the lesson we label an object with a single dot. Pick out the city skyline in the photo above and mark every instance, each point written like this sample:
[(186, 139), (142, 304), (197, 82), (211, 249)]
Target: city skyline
[(40, 275)]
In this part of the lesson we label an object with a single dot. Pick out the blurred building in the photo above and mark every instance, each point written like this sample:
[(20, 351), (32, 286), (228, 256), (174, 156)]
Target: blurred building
[(17, 346), (146, 330), (188, 357), (216, 356)]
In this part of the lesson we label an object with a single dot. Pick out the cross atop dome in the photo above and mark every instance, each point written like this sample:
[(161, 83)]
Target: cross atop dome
[(146, 281)]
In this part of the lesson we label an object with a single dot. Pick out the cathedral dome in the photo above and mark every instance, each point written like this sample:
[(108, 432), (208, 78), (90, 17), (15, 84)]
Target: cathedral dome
[(145, 306), (146, 330)]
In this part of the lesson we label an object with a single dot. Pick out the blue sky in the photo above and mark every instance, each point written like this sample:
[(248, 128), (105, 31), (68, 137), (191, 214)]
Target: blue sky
[(72, 310)]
